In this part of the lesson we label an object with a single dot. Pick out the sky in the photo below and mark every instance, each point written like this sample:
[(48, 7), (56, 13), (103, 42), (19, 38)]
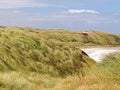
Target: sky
[(102, 15)]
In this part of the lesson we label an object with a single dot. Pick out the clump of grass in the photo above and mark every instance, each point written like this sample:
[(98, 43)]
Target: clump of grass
[(37, 59), (14, 81), (103, 76), (25, 49)]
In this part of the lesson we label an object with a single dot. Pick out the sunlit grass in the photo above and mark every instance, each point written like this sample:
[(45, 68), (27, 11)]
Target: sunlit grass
[(26, 49), (103, 76), (38, 59)]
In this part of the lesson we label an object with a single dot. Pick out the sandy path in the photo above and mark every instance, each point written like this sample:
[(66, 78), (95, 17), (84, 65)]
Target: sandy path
[(98, 53)]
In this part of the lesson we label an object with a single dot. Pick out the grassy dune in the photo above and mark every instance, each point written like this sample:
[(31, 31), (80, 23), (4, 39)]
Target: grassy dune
[(103, 76), (38, 59), (27, 55)]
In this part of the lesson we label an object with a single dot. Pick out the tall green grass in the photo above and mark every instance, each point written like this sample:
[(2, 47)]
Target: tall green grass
[(110, 66), (38, 59), (103, 76), (23, 49), (67, 37)]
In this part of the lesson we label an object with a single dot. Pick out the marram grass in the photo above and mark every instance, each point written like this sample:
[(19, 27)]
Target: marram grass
[(37, 59), (22, 50)]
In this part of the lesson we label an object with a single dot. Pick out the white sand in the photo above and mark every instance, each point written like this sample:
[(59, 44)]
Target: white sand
[(98, 53)]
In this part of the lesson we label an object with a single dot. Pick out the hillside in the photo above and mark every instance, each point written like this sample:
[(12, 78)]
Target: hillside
[(36, 58), (34, 50), (69, 37), (92, 38), (103, 76)]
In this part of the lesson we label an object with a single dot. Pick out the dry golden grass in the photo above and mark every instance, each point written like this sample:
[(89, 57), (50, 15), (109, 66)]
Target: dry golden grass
[(104, 76), (36, 59)]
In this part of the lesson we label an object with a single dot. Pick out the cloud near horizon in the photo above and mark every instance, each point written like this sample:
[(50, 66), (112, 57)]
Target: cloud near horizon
[(73, 15), (8, 4), (78, 11)]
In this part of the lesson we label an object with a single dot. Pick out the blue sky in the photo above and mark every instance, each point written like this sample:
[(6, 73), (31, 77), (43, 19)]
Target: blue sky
[(103, 15)]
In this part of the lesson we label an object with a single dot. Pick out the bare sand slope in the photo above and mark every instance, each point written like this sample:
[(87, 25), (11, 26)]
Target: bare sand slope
[(98, 53)]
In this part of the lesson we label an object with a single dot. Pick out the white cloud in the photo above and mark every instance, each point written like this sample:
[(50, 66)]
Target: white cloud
[(78, 11), (17, 3), (6, 4)]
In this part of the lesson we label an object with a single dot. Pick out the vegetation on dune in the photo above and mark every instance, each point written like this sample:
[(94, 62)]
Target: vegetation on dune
[(23, 49), (103, 76), (38, 59), (78, 39), (27, 54), (66, 37)]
